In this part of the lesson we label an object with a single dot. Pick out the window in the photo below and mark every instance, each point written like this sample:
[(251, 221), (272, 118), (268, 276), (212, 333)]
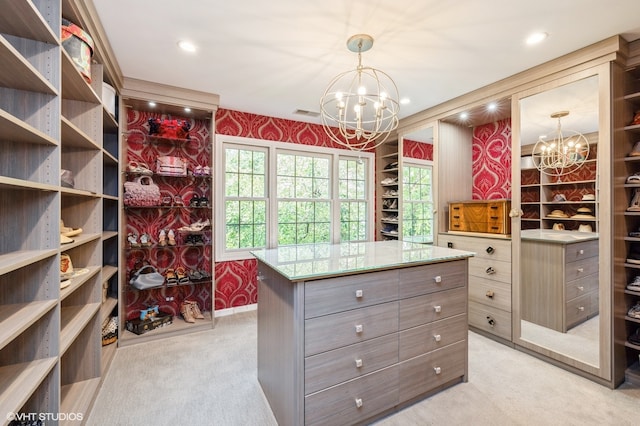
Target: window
[(417, 202), (304, 203), (278, 194), (352, 193), (245, 198)]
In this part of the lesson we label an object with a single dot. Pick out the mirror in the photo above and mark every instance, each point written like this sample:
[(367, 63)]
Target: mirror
[(559, 308), (418, 186)]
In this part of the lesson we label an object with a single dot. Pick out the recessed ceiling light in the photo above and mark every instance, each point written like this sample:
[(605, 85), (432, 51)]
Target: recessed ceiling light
[(464, 115), (152, 104), (492, 106), (187, 46), (187, 109), (405, 101), (536, 38)]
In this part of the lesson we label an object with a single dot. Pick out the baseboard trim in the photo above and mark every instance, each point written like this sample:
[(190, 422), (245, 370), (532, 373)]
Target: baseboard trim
[(236, 310)]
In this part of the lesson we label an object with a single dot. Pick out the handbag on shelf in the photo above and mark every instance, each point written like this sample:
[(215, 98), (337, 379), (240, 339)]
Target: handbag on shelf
[(141, 192), (171, 166), (170, 129), (146, 277)]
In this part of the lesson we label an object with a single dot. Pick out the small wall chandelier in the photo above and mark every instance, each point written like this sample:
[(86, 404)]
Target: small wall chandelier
[(360, 107), (561, 155)]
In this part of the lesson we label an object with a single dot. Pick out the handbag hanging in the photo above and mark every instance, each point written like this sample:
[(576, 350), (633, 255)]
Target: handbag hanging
[(146, 277), (171, 166), (141, 192)]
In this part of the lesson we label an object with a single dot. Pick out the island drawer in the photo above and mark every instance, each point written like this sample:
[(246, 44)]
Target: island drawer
[(582, 286), (432, 307), (339, 365), (490, 269), (353, 401), (427, 372), (429, 337), (346, 328), (431, 278), (582, 250), (581, 268), (580, 309), (331, 295)]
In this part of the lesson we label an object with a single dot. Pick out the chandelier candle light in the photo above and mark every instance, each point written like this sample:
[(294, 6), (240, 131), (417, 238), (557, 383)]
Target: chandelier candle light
[(360, 107), (560, 156)]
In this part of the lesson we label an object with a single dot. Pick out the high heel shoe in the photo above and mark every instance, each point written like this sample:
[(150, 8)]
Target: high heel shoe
[(172, 237), (635, 203), (145, 240), (133, 240), (162, 238)]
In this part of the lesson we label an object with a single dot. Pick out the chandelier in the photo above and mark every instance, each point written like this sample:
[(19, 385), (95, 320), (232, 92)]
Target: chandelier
[(563, 154), (360, 107)]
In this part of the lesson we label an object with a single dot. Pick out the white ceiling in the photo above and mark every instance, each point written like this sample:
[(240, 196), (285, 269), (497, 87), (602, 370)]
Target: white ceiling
[(275, 57)]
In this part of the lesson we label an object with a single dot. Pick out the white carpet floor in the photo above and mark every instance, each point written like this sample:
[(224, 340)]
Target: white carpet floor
[(209, 378)]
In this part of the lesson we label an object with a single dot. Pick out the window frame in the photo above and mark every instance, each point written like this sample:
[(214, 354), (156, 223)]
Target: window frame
[(221, 253), (414, 162)]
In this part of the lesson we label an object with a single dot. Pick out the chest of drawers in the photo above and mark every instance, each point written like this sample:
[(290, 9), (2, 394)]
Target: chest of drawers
[(345, 350), (559, 283), (489, 282), (485, 216)]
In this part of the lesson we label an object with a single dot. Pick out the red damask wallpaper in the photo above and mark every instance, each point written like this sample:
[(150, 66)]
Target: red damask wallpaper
[(419, 150), (492, 161)]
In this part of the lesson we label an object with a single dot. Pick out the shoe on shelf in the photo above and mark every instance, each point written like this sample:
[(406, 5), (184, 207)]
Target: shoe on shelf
[(206, 171), (139, 168), (181, 274), (197, 171), (162, 238), (172, 237), (635, 152), (195, 309), (558, 198), (187, 312), (145, 240), (171, 277), (389, 181), (634, 253), (635, 337), (634, 312), (635, 284), (133, 240), (635, 202)]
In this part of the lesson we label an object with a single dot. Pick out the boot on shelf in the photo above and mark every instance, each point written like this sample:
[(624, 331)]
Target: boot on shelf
[(195, 309), (187, 312)]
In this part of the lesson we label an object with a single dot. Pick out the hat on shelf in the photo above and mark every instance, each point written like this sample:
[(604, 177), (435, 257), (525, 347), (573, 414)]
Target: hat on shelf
[(583, 213), (67, 231), (634, 178), (558, 226), (558, 213), (585, 227), (590, 197)]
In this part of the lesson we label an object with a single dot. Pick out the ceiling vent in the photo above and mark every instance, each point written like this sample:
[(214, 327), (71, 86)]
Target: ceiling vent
[(307, 113)]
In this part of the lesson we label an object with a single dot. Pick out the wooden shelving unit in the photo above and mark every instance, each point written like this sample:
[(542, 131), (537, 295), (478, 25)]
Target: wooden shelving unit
[(51, 119), (388, 189)]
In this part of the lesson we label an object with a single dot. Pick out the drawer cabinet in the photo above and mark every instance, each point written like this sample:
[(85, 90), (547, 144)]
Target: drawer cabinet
[(560, 283), (484, 216), (347, 352), (489, 282)]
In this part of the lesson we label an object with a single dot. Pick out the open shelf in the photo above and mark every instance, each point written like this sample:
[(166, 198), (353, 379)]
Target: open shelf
[(18, 317), (19, 381), (19, 74), (74, 319)]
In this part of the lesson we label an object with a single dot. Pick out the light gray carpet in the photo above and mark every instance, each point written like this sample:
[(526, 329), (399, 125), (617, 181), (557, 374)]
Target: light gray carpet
[(209, 378)]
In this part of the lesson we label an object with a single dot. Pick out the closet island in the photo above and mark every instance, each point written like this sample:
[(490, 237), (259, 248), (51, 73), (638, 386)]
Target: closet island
[(350, 332)]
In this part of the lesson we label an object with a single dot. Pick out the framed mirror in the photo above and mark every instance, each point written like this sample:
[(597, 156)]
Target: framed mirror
[(561, 240), (418, 186)]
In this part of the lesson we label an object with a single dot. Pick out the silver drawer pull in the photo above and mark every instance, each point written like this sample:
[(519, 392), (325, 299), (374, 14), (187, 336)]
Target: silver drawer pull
[(437, 309), (437, 279), (581, 308), (437, 337), (438, 370), (490, 270), (358, 402), (581, 252), (490, 294), (359, 294), (359, 328), (581, 288), (580, 270), (260, 277), (358, 362)]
